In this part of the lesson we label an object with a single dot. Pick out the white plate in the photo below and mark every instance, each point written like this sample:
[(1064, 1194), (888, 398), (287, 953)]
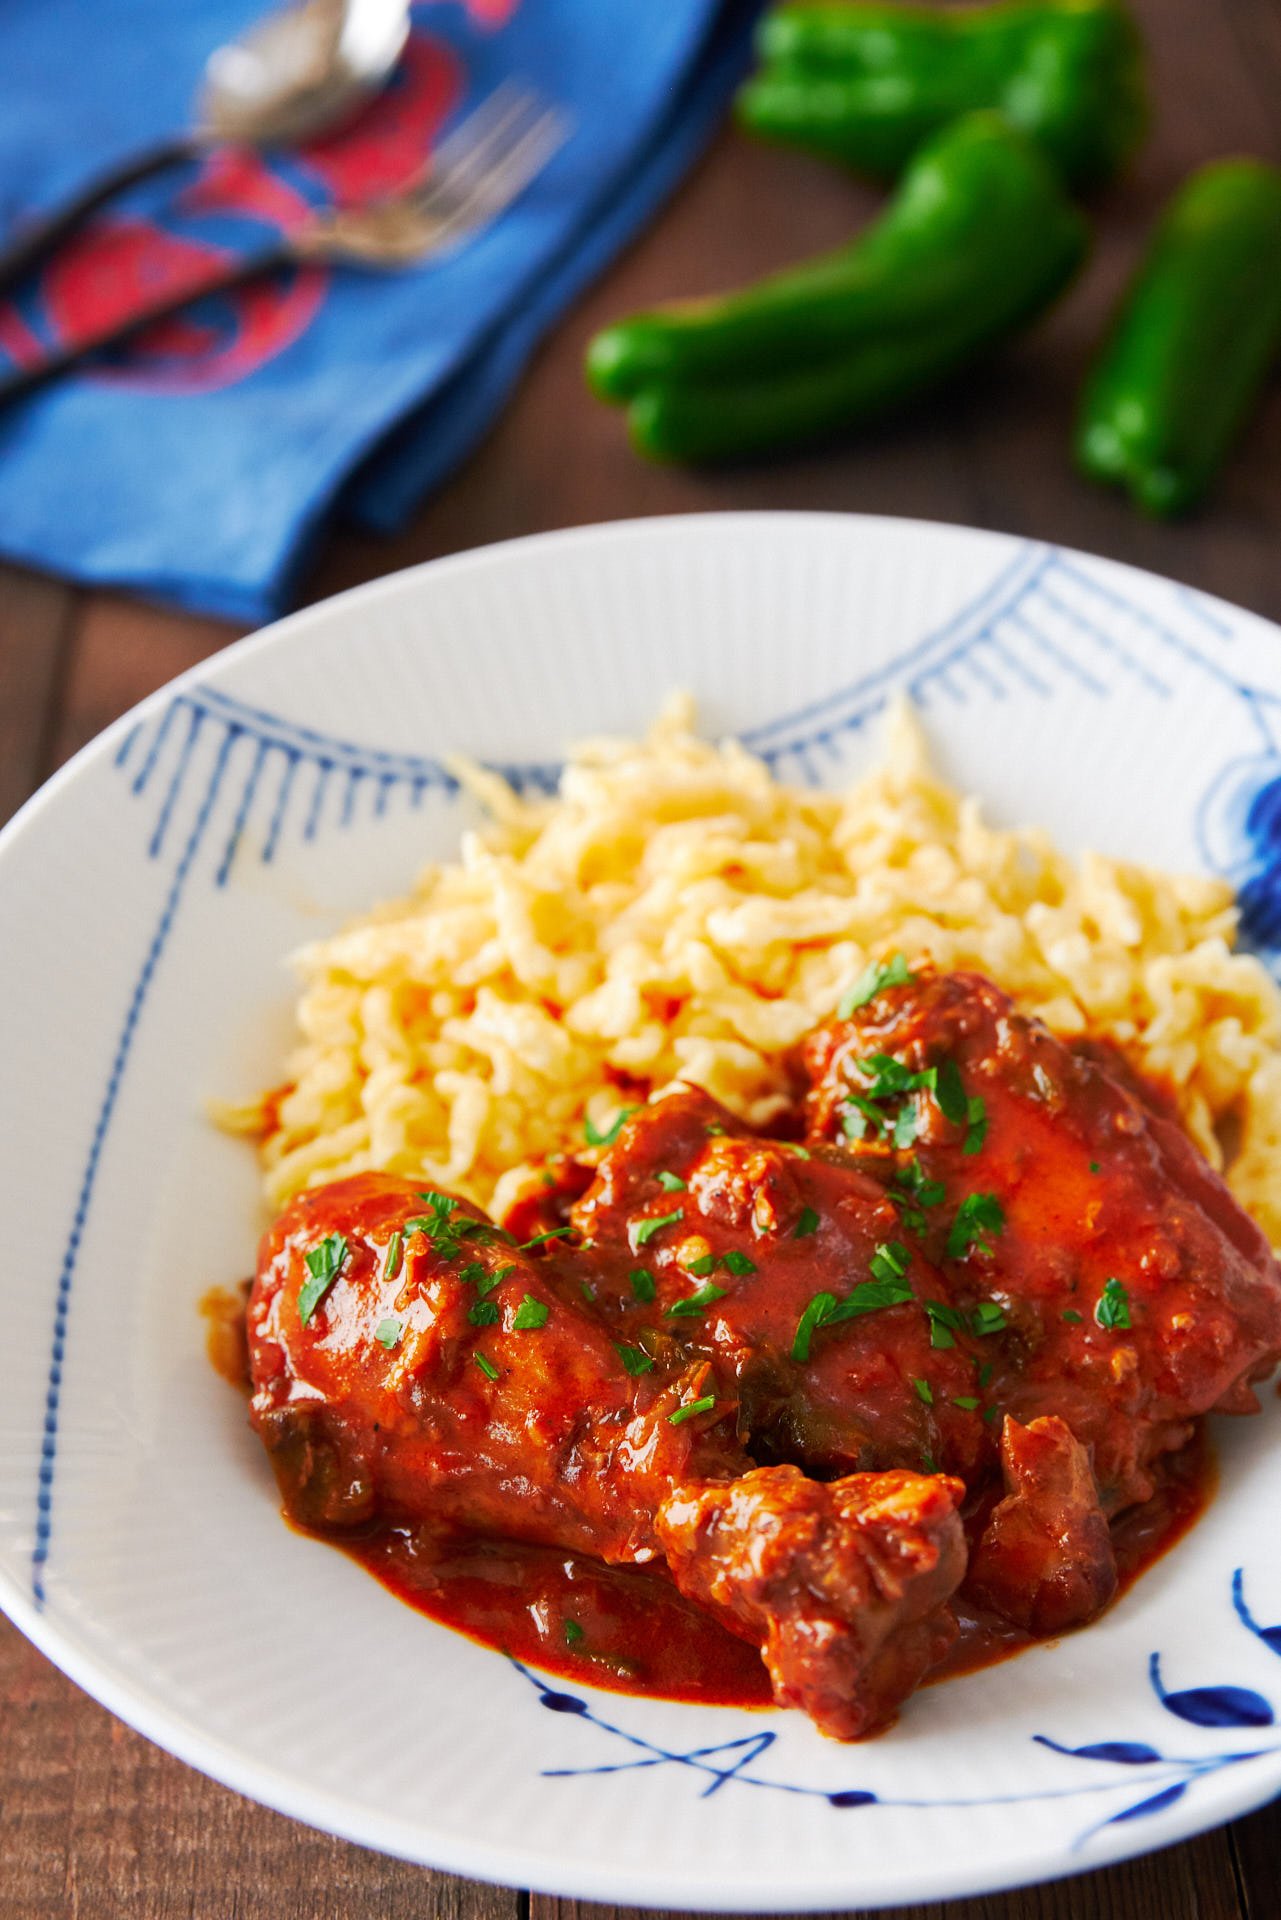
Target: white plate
[(148, 896)]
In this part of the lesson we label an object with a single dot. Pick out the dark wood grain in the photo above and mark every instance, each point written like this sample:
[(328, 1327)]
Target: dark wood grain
[(95, 1821)]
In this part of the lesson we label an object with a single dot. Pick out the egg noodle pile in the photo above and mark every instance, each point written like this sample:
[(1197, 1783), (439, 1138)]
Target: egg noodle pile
[(677, 913)]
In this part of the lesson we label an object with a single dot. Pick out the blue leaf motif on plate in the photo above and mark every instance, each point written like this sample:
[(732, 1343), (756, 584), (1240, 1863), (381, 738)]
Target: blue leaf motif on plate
[(562, 1702), (1155, 1803), (1270, 1636), (1125, 1753), (1213, 1706)]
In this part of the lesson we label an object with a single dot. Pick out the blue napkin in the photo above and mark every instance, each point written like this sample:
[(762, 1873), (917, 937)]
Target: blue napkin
[(204, 470)]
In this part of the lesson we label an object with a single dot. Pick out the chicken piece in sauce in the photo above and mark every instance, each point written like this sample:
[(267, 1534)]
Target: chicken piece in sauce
[(721, 1243), (410, 1365), (1134, 1294)]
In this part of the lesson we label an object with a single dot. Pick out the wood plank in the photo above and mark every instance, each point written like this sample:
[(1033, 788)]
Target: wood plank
[(120, 652), (1192, 1882), (36, 618), (98, 1822)]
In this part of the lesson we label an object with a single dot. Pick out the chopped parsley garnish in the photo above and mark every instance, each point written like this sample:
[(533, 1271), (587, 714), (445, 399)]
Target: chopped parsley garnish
[(323, 1265), (806, 1225), (388, 1332), (688, 1411), (949, 1091), (1073, 1318), (988, 1317), (991, 1413), (394, 1256), (978, 1213), (700, 1268), (906, 1127), (793, 1147), (595, 1137), (446, 1227), (870, 1296), (715, 1128), (945, 1322), (873, 980), (486, 1282), (635, 1359), (888, 1076), (486, 1366), (695, 1302), (858, 1115), (889, 1262), (540, 1239), (1113, 1309), (530, 1315), (976, 1119), (816, 1315), (736, 1262), (574, 1635), (646, 1229), (924, 1391), (985, 1372), (912, 1192), (672, 1182), (483, 1313), (929, 1463), (966, 1401), (643, 1285), (1094, 1166)]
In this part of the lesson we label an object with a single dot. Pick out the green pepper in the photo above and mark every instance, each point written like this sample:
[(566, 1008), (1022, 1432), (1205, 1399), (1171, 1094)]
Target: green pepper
[(866, 84), (978, 239), (1195, 335)]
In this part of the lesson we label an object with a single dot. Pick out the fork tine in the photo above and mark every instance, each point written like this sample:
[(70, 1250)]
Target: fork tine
[(475, 138), (509, 170)]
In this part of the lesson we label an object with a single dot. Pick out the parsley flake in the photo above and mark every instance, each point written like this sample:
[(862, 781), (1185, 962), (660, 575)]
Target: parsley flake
[(1113, 1309), (924, 1391), (483, 1313), (643, 1284), (530, 1315), (645, 1230), (486, 1282), (736, 1262), (978, 1213), (976, 1118), (596, 1138), (692, 1407), (486, 1366), (634, 1359), (806, 1225), (1073, 1318), (700, 1268), (873, 980), (388, 1332), (944, 1323), (672, 1182), (394, 1255), (987, 1317), (966, 1401), (816, 1315), (695, 1302), (323, 1265), (985, 1372), (949, 1092), (574, 1635), (715, 1128), (793, 1147), (1094, 1166), (540, 1239), (888, 1264)]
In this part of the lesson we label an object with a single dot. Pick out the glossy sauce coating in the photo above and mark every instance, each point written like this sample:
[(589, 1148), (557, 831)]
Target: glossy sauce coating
[(877, 1405)]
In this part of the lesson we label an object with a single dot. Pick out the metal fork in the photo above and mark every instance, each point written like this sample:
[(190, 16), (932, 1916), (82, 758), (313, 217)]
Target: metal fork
[(474, 175)]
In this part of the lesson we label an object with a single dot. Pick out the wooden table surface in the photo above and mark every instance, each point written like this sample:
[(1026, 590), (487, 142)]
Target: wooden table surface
[(93, 1819)]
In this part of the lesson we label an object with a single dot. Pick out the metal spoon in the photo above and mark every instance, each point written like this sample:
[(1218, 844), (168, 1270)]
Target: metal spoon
[(292, 75)]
